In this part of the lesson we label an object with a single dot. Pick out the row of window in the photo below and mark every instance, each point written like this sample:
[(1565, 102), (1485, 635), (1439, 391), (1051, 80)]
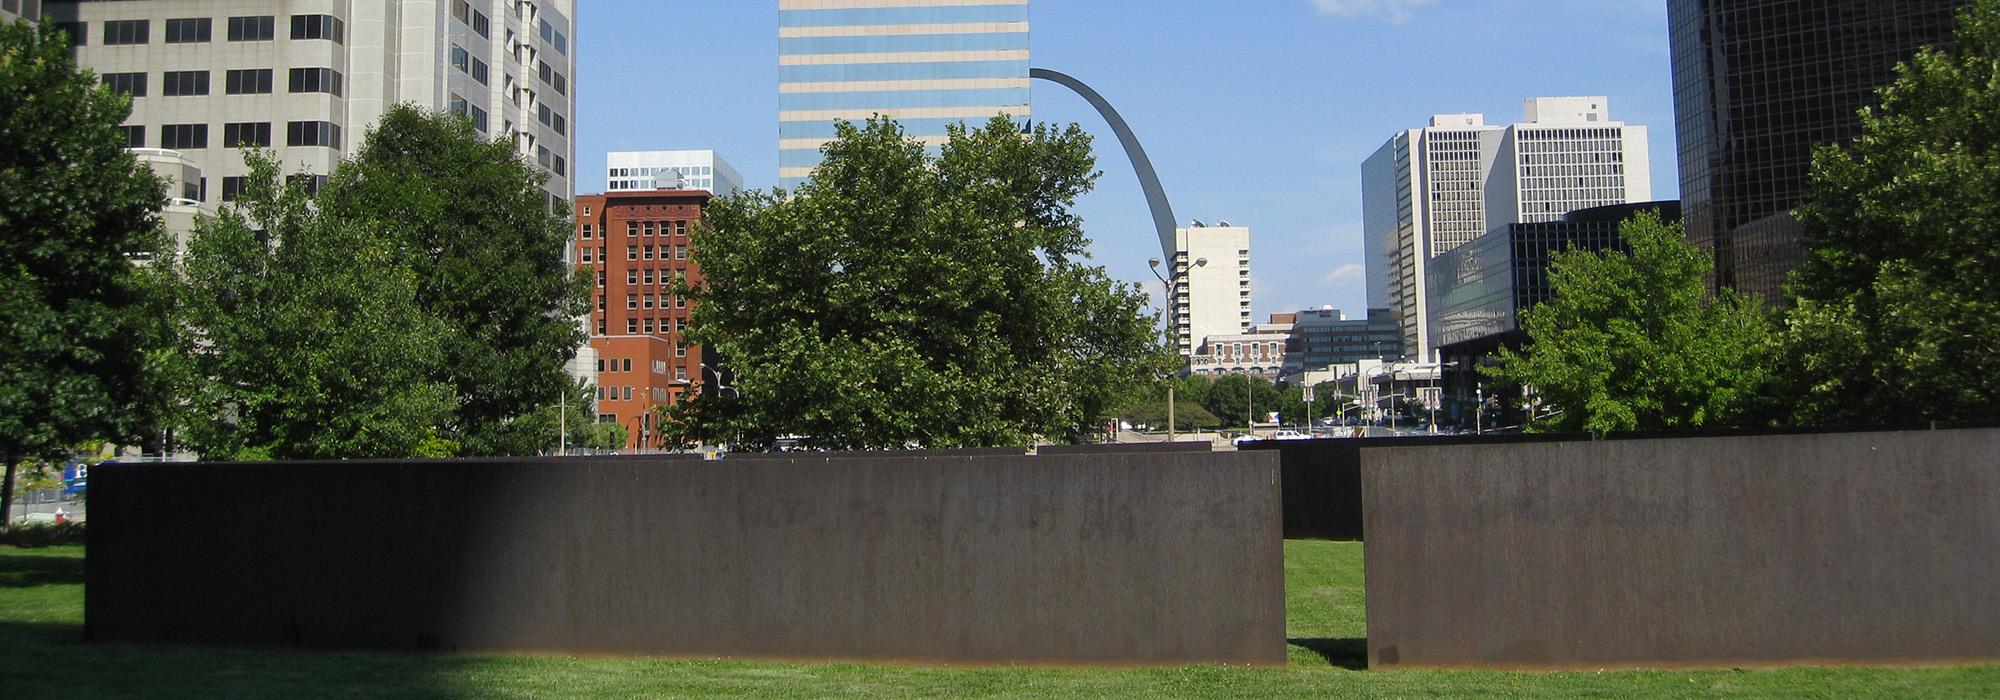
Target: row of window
[(552, 119), (254, 81), (632, 276), (634, 327), (554, 78), (465, 63), (201, 30), (461, 107), (550, 161), (649, 301), (237, 135), (478, 21)]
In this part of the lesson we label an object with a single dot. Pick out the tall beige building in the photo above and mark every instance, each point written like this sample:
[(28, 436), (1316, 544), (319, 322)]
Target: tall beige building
[(1211, 285), (307, 78)]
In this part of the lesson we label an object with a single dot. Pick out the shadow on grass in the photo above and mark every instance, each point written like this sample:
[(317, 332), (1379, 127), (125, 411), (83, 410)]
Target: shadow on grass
[(1349, 653), (29, 571)]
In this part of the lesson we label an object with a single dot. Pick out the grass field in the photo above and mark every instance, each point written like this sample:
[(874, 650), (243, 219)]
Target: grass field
[(42, 656)]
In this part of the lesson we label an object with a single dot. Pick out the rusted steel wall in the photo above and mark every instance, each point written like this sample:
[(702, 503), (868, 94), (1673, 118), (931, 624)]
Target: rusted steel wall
[(1865, 547), (1117, 559)]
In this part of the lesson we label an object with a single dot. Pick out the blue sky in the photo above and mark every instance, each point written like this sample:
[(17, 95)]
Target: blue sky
[(1255, 111)]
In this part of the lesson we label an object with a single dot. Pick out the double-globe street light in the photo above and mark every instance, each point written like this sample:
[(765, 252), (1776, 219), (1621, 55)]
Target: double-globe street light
[(1173, 326)]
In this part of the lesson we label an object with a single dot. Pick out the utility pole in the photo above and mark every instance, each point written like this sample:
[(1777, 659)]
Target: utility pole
[(1173, 337)]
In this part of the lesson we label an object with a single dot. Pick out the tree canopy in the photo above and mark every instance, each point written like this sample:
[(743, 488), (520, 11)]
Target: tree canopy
[(304, 336), (80, 324), (419, 304), (1631, 341), (903, 298), (1897, 306)]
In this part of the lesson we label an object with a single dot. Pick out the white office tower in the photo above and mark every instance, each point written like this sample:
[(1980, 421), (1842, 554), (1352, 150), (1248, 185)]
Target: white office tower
[(307, 79), (1211, 284), (1430, 190), (629, 171), (1567, 155), (1422, 193)]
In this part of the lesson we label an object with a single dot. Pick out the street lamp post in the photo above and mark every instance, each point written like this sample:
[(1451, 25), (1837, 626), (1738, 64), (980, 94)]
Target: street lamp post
[(1173, 338), (1479, 412)]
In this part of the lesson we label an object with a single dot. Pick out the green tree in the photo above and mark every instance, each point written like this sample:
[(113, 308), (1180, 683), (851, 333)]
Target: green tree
[(1188, 415), (1630, 341), (486, 245), (900, 298), (1234, 398), (304, 337), (1897, 306), (79, 322)]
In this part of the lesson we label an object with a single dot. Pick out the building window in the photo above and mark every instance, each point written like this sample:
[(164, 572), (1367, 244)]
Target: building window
[(461, 10), (631, 301), (189, 31), (127, 32), (311, 183), (631, 326), (325, 80), (480, 72), (253, 28), (133, 84), (325, 134), (482, 24), (256, 134), (135, 136), (184, 136), (232, 188), (318, 27), (79, 32), (247, 82), (184, 83), (461, 59), (562, 166)]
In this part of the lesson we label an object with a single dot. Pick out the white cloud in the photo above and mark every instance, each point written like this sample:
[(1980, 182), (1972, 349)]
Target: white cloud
[(1391, 11), (1345, 274)]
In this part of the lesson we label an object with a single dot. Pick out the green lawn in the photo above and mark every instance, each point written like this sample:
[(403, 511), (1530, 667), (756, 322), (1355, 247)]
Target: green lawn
[(42, 655)]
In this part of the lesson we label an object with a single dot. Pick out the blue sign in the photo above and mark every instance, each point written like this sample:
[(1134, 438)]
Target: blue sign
[(76, 476)]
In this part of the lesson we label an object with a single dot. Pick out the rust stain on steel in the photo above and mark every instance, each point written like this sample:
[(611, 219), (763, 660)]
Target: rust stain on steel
[(1750, 551), (1084, 560)]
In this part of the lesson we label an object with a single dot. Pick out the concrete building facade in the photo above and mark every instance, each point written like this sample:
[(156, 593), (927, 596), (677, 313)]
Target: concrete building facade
[(1211, 285), (308, 78), (635, 245), (926, 63), (1428, 191), (1759, 84), (633, 171)]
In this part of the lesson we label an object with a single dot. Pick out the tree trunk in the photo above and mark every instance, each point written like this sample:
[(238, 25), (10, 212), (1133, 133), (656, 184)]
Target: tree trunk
[(7, 496)]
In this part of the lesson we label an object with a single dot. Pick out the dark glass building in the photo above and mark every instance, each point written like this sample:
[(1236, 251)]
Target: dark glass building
[(1758, 84), (1478, 290)]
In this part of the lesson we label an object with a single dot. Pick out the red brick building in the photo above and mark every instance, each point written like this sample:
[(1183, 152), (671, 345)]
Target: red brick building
[(636, 244)]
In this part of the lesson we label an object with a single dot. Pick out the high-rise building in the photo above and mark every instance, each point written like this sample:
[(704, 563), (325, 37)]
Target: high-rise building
[(11, 10), (1211, 285), (629, 171), (634, 245), (925, 63), (1430, 190), (1758, 84), (307, 80)]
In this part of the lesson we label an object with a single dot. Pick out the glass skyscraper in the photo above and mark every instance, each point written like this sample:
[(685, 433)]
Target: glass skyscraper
[(925, 63), (1758, 84)]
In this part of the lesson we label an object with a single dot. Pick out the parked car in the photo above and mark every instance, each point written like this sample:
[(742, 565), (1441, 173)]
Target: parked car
[(1278, 435)]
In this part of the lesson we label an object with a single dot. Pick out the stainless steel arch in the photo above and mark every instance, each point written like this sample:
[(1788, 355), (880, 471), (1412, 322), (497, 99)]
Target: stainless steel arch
[(1156, 196)]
